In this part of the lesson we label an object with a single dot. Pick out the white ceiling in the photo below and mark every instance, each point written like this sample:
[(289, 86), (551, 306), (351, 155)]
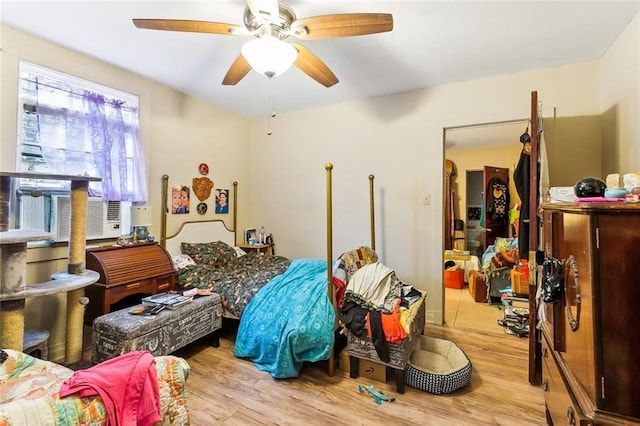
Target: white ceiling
[(432, 43), (482, 135)]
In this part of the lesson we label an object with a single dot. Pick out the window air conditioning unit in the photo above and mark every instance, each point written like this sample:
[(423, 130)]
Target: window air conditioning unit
[(103, 218)]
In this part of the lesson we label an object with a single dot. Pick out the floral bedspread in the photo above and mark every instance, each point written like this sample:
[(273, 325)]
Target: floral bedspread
[(29, 393), (237, 282)]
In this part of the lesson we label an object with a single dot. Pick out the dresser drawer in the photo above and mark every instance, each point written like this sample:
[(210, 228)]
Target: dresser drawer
[(114, 294), (165, 283), (556, 395)]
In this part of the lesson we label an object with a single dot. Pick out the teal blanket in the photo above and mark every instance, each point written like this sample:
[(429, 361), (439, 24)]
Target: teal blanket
[(289, 321)]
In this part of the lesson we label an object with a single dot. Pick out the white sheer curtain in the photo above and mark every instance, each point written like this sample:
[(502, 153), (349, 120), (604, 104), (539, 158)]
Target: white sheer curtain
[(81, 131)]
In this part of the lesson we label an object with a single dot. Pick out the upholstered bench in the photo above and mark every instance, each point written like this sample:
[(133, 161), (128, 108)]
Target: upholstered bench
[(399, 353), (120, 332)]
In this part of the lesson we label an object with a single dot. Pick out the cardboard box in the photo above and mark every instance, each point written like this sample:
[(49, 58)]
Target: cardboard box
[(366, 369), (454, 278)]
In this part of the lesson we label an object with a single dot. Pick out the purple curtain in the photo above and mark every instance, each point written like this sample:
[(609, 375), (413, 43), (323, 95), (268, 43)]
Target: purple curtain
[(81, 132)]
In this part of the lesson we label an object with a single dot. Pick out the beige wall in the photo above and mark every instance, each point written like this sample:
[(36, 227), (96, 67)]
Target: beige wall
[(620, 102), (574, 147), (398, 138), (179, 133)]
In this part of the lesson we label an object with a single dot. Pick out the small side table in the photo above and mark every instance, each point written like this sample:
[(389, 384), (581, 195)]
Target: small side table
[(257, 248)]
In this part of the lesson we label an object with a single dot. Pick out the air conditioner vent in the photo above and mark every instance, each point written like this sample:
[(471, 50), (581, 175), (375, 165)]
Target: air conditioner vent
[(103, 218), (113, 211)]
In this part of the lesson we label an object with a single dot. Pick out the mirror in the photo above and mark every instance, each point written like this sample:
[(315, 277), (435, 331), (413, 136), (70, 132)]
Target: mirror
[(470, 148)]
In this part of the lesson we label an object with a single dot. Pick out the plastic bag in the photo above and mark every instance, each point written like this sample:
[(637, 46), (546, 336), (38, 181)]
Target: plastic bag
[(552, 280)]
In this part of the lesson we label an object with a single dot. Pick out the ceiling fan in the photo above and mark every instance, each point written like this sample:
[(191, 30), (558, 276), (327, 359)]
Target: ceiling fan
[(271, 22)]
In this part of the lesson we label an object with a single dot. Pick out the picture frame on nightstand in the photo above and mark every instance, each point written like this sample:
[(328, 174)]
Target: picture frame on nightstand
[(250, 235)]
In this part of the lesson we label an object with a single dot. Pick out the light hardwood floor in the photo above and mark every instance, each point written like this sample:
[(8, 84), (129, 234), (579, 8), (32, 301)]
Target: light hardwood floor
[(224, 390)]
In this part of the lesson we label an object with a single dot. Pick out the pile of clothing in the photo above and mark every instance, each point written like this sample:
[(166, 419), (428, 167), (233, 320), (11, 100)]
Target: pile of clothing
[(373, 299)]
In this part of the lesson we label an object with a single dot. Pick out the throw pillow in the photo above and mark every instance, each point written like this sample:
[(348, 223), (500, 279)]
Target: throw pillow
[(217, 253)]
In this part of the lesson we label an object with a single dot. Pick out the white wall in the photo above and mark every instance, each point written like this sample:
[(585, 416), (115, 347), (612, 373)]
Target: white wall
[(179, 132), (620, 95), (399, 139)]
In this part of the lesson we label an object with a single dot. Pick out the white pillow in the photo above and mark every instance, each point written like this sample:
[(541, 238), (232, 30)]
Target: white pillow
[(182, 260), (239, 251)]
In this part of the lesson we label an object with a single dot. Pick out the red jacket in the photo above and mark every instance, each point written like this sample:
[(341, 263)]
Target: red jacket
[(128, 386)]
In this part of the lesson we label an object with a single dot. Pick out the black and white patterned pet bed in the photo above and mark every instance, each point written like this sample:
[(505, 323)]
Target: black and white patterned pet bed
[(437, 366)]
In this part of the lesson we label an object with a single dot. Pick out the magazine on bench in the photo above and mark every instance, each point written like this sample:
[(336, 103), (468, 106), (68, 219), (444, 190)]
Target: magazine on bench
[(167, 300)]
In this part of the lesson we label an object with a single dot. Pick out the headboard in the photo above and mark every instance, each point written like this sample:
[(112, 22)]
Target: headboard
[(205, 231)]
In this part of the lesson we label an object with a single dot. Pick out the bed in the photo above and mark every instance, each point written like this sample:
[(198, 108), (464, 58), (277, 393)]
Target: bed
[(29, 393), (278, 337), (497, 262)]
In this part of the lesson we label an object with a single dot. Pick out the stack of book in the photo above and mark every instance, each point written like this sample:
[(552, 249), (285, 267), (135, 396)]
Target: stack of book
[(168, 300)]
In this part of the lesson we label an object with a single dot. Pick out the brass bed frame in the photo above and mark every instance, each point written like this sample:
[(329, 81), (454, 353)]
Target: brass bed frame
[(329, 214)]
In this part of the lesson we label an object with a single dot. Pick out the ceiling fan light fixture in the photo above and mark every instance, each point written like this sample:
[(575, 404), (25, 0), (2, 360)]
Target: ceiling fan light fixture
[(269, 55)]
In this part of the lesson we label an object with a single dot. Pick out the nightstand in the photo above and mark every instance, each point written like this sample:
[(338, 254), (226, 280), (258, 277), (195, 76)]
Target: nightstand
[(257, 248)]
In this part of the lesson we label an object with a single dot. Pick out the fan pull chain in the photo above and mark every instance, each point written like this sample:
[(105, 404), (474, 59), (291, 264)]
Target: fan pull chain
[(272, 114)]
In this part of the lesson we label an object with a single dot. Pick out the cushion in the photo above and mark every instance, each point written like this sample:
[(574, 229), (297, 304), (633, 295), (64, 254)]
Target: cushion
[(239, 251), (182, 260), (217, 253)]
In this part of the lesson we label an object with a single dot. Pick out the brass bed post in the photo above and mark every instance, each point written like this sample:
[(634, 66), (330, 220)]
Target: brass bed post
[(235, 213), (372, 214), (163, 211), (328, 168)]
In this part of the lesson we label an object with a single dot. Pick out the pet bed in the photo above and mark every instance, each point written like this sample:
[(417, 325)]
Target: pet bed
[(437, 366)]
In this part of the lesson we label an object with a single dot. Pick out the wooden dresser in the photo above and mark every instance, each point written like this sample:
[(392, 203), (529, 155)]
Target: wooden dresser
[(144, 268), (591, 338)]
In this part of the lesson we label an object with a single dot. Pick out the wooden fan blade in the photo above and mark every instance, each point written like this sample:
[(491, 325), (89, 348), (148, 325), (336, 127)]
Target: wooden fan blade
[(342, 25), (313, 66), (188, 26), (239, 68)]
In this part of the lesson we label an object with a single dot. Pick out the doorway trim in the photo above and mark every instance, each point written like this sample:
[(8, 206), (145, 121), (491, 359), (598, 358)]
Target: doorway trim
[(443, 184)]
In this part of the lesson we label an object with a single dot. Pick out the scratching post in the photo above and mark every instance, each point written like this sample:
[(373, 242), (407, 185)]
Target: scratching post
[(76, 266), (78, 231), (12, 324), (13, 267), (76, 304)]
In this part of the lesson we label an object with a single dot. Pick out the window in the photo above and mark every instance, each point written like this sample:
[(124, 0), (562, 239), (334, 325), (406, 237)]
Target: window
[(71, 126)]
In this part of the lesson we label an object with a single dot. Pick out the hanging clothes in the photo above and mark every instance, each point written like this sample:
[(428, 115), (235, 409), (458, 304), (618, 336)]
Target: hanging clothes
[(521, 180)]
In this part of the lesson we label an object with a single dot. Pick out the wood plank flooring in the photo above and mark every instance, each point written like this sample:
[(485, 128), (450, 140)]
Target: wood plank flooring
[(224, 390)]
